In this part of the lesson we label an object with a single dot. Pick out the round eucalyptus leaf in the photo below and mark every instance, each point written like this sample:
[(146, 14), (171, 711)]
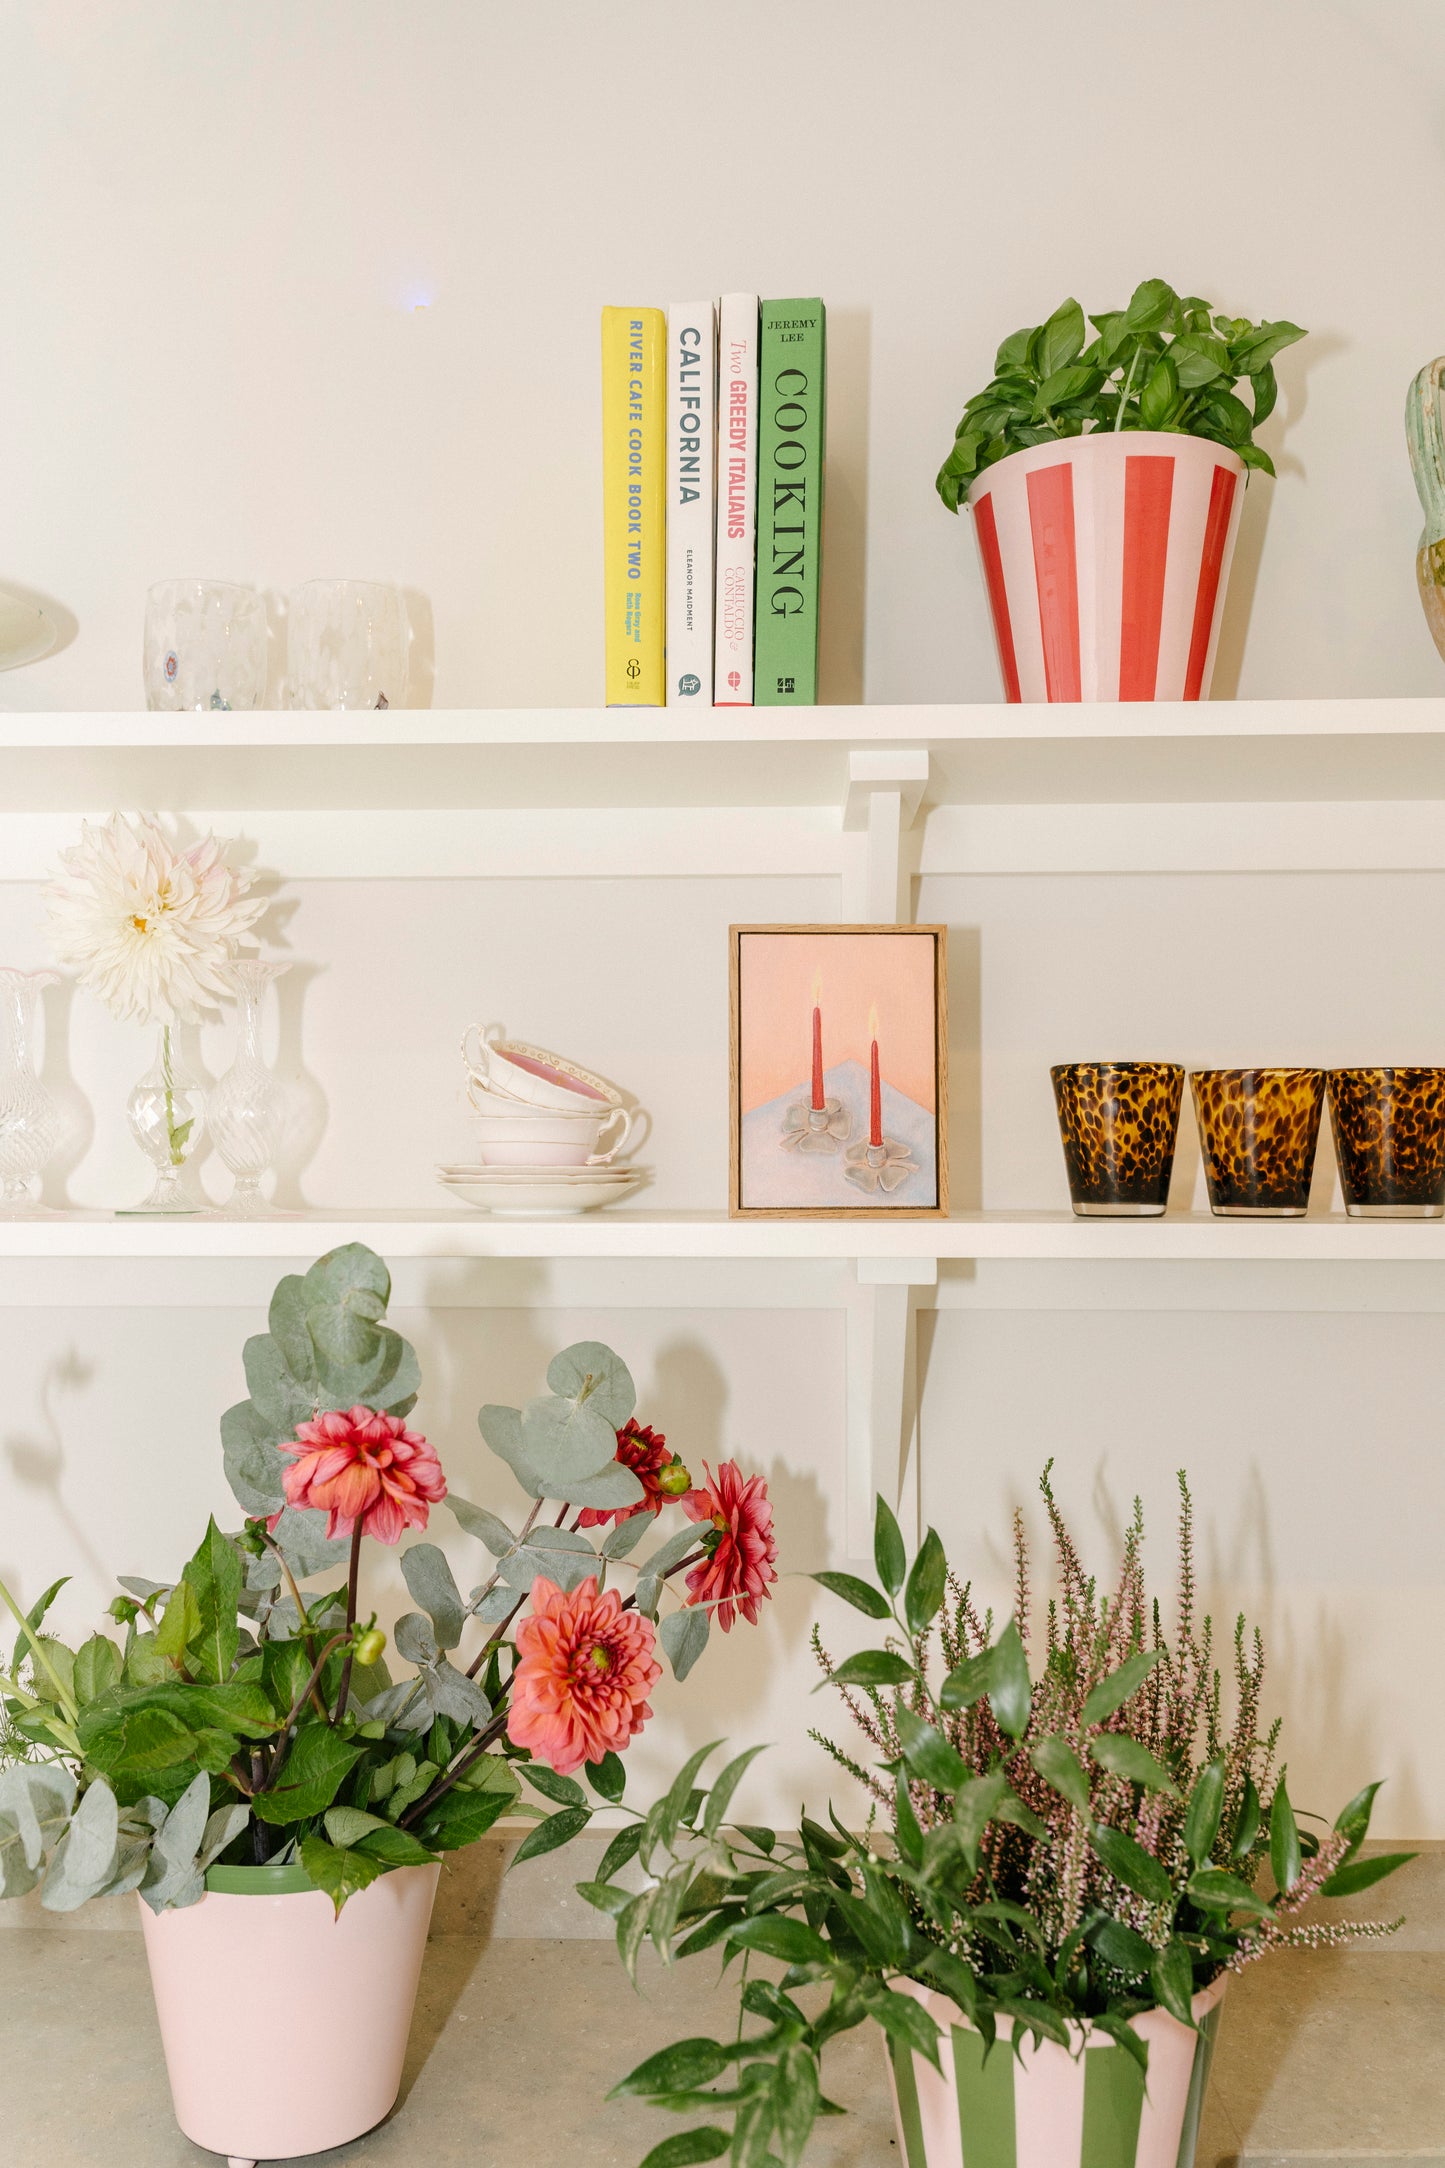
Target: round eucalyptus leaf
[(588, 1371)]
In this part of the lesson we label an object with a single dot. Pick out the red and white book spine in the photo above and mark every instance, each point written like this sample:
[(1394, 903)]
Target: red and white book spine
[(691, 499), (737, 498)]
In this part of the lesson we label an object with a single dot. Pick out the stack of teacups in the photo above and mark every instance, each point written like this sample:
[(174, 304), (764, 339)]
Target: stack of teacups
[(541, 1121)]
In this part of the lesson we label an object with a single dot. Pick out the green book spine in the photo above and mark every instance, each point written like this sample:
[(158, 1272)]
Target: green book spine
[(791, 376)]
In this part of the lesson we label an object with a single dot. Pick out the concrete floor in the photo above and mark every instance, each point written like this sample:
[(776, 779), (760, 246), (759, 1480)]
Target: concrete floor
[(1329, 2058)]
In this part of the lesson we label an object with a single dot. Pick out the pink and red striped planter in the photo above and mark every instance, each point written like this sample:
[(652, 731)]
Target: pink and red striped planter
[(1106, 558)]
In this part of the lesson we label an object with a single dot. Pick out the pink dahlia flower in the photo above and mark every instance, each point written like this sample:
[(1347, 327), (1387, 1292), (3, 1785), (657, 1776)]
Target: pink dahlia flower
[(738, 1540), (585, 1667), (657, 1468), (359, 1465)]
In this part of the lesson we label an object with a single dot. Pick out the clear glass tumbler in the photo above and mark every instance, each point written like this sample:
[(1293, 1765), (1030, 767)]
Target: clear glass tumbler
[(205, 646), (347, 645)]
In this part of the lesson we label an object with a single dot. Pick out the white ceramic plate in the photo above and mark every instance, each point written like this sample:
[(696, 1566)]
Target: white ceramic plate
[(540, 1194), (26, 633), (479, 1170)]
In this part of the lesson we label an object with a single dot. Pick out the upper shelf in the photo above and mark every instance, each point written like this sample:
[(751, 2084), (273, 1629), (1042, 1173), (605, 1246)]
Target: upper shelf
[(448, 1232), (1109, 753)]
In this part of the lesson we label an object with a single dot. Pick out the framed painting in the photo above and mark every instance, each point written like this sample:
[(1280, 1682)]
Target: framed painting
[(839, 1072)]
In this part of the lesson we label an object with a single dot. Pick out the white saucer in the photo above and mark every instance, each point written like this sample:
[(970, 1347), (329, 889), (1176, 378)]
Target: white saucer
[(537, 1193)]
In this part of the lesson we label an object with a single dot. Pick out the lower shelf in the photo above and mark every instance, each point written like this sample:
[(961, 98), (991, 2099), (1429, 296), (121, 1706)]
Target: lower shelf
[(448, 1233)]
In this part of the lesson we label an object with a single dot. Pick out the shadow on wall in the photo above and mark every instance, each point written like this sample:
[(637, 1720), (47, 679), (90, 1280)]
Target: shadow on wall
[(965, 1068), (842, 633), (37, 1458), (1292, 370)]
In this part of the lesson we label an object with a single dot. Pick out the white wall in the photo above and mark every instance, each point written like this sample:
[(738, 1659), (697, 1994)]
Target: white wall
[(222, 220), (211, 360)]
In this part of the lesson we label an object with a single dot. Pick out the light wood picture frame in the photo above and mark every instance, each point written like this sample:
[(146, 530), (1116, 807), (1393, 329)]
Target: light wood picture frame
[(838, 1072)]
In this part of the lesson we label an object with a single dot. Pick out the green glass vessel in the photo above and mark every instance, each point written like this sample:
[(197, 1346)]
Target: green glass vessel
[(1423, 434)]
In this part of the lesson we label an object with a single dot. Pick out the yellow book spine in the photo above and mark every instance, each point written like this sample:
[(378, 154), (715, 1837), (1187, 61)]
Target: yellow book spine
[(634, 358)]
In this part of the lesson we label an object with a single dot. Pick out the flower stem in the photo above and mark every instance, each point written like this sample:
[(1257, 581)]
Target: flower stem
[(168, 1079), (344, 1690)]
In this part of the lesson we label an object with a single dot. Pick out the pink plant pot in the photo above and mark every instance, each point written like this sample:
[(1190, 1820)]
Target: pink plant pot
[(1106, 559), (284, 2026), (1085, 2106)]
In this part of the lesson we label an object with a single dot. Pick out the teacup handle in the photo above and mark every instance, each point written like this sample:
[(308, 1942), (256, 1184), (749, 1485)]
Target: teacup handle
[(485, 1035), (613, 1114)]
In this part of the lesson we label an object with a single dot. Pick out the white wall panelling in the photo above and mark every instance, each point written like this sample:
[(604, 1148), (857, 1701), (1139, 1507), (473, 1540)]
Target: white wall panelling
[(1266, 890)]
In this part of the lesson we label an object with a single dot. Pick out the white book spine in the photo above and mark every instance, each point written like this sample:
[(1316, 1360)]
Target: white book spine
[(737, 498), (691, 499)]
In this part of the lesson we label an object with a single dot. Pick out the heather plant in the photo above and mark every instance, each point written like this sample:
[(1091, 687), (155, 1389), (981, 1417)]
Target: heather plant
[(1166, 362), (1071, 1821)]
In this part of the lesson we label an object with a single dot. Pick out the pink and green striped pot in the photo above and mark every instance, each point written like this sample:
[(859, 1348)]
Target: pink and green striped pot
[(1047, 2107)]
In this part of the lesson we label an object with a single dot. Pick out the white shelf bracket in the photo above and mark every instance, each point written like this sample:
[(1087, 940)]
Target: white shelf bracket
[(882, 1395), (884, 793)]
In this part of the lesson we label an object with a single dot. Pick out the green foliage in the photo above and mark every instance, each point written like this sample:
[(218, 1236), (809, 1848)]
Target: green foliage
[(1075, 1841), (1165, 362), (239, 1714)]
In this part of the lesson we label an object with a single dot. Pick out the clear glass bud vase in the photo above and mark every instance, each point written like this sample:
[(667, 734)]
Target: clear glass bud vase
[(29, 1117), (247, 1110), (166, 1112)]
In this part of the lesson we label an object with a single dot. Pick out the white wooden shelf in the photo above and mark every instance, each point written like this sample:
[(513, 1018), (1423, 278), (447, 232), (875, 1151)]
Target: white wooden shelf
[(981, 754), (447, 1232)]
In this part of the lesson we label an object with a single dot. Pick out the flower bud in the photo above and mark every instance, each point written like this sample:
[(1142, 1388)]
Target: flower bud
[(370, 1646), (674, 1480)]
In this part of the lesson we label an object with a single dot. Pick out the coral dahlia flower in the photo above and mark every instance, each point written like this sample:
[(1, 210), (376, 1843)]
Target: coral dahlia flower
[(359, 1465), (737, 1520), (585, 1667), (660, 1472)]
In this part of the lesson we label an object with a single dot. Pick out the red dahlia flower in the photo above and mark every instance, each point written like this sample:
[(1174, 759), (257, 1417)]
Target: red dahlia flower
[(359, 1465), (660, 1472), (738, 1542), (584, 1669)]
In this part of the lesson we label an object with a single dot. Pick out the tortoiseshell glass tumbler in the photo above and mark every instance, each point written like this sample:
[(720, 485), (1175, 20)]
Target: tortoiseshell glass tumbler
[(1258, 1129), (1118, 1120), (1389, 1129)]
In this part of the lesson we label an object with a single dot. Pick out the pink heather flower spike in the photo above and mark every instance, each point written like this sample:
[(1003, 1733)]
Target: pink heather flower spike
[(584, 1671), (741, 1551), (360, 1465)]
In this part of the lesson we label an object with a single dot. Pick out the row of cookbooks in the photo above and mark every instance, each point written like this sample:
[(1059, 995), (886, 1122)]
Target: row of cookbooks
[(712, 467)]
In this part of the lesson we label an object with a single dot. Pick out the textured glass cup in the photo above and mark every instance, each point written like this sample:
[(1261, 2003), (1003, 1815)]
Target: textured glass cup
[(347, 645), (205, 646), (1258, 1129), (1118, 1121), (1389, 1127)]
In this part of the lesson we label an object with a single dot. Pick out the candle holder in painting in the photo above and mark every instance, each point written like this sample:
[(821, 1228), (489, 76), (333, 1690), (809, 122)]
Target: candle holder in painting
[(1119, 1121), (1389, 1127), (839, 1098), (1258, 1129)]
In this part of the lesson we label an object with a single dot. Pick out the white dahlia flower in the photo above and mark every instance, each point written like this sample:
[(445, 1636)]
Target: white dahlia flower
[(148, 927)]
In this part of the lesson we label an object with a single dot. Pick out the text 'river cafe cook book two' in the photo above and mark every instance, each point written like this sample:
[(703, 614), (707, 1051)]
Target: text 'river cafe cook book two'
[(713, 451), (634, 345)]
